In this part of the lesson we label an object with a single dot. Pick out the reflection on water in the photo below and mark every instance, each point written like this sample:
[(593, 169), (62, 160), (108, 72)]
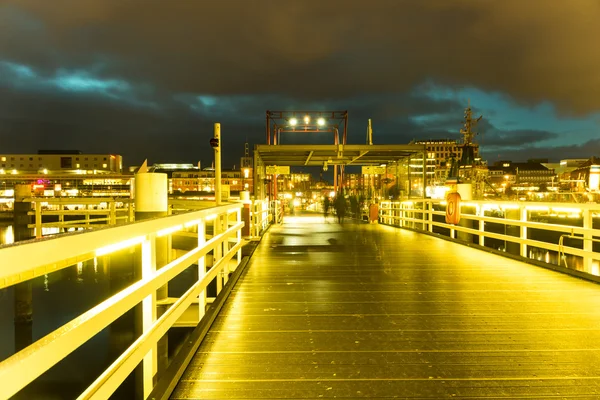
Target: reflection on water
[(7, 236), (63, 295), (58, 298)]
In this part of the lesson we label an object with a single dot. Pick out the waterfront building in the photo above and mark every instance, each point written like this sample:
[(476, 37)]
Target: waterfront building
[(532, 175), (60, 161), (64, 173), (441, 150), (584, 177), (184, 178)]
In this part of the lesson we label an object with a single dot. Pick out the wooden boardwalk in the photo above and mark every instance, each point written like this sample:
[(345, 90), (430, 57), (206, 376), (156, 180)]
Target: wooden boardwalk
[(368, 311)]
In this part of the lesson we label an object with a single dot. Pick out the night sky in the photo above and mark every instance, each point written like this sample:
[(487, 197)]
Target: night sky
[(147, 79)]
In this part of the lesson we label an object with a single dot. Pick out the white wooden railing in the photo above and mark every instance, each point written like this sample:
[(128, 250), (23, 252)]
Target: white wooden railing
[(260, 217), (21, 262), (85, 212), (427, 214)]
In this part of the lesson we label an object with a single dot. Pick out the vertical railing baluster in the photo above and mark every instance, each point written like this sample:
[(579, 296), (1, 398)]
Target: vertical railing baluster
[(238, 213), (38, 219), (588, 244), (201, 269), (150, 362), (523, 216)]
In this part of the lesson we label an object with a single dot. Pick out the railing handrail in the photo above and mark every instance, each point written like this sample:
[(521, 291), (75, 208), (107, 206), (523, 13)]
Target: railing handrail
[(78, 200), (83, 245)]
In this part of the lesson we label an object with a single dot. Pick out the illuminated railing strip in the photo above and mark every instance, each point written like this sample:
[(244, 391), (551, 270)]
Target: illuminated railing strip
[(41, 257)]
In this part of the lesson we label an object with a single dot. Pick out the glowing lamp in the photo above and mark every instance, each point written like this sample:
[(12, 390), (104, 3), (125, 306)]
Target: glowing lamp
[(293, 121), (321, 121), (307, 119)]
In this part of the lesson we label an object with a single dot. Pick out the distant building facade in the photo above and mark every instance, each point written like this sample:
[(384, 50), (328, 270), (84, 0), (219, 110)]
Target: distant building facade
[(61, 161), (184, 178), (441, 150)]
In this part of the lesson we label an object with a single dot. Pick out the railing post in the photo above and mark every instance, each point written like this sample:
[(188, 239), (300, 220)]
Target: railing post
[(113, 212), (481, 213), (430, 215), (130, 212), (401, 214), (61, 218), (201, 269), (151, 200), (38, 219), (218, 251), (239, 235), (23, 294), (150, 361), (523, 230), (87, 216), (588, 244)]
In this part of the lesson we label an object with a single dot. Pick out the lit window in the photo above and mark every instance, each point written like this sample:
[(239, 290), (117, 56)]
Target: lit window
[(104, 165), (3, 158)]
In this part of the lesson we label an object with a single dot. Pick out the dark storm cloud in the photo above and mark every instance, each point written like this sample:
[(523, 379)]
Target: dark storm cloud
[(515, 138), (490, 135), (585, 150), (532, 50)]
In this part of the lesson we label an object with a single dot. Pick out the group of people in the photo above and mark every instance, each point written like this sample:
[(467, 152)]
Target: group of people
[(339, 204)]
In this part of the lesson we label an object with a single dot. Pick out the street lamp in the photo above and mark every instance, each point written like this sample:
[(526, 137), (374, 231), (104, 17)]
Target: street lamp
[(293, 121), (321, 121), (307, 120)]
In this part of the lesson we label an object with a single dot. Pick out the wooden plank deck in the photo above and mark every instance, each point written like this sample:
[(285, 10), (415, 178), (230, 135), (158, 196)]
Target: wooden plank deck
[(368, 311)]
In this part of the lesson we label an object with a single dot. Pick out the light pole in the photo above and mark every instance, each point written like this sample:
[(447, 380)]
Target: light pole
[(216, 144)]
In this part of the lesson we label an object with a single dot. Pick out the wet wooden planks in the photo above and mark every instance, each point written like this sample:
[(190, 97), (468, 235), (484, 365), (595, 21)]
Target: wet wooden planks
[(365, 311)]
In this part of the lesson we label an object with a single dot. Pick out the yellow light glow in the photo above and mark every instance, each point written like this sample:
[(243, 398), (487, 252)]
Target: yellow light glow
[(210, 217), (14, 171), (168, 231), (2, 171), (307, 119), (119, 246), (45, 171), (192, 223), (321, 121), (293, 121), (537, 208), (246, 173), (566, 210), (9, 236)]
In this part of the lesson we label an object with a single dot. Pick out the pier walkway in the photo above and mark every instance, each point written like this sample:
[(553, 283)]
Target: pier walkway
[(325, 310)]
